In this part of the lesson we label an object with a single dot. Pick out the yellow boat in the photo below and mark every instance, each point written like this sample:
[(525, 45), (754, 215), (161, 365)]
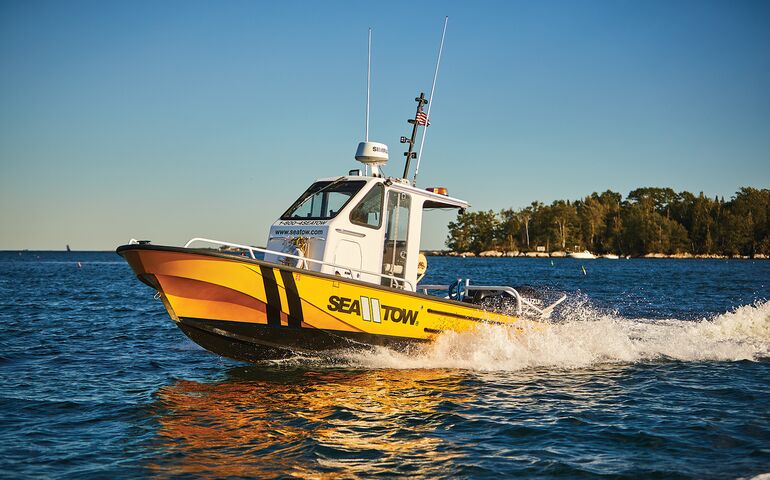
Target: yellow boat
[(341, 269)]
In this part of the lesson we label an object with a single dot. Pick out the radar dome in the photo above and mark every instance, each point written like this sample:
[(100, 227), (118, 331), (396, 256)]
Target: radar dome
[(372, 153)]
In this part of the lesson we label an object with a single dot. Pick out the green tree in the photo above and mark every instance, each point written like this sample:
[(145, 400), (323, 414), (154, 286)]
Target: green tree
[(751, 209), (650, 220), (473, 231), (592, 213), (525, 215), (659, 199), (611, 239), (509, 228), (564, 215), (701, 225), (460, 236)]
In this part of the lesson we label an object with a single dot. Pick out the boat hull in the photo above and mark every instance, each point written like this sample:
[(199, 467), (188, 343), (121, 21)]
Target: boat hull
[(582, 256), (252, 342), (253, 310)]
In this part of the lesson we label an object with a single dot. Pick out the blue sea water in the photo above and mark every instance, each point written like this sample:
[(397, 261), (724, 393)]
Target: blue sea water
[(652, 369)]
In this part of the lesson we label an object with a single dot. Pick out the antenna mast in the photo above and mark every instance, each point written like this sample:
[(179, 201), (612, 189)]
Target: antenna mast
[(410, 154), (430, 102), (368, 83), (371, 154)]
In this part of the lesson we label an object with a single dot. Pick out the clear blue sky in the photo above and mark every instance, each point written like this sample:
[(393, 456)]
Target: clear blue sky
[(171, 119)]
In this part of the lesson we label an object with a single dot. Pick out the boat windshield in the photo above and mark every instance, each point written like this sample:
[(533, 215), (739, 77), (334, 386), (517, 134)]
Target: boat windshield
[(323, 200)]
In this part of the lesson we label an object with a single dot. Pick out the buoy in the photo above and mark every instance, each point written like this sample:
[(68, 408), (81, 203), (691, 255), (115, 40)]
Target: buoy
[(584, 269)]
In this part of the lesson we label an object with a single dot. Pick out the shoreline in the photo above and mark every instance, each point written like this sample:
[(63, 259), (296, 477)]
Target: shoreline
[(561, 254), (494, 254)]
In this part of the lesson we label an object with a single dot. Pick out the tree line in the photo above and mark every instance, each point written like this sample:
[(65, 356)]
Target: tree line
[(648, 220)]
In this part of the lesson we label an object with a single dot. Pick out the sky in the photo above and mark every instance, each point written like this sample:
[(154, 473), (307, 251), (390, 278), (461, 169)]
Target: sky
[(174, 119)]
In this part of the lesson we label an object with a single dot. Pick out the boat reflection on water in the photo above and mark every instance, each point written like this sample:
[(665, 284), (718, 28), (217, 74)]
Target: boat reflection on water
[(267, 422)]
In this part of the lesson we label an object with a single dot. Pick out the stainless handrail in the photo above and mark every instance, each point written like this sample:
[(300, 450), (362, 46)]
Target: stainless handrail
[(544, 312), (510, 291), (298, 257)]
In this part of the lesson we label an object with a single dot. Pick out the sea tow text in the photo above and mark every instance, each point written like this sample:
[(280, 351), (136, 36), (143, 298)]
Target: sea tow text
[(349, 305)]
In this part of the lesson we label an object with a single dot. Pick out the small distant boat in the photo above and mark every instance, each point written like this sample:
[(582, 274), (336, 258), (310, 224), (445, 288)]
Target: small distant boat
[(610, 256), (68, 248), (584, 255)]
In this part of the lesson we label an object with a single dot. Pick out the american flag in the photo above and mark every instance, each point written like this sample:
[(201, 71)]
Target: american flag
[(422, 119)]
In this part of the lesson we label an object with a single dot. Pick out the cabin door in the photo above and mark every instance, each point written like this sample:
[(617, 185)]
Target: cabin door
[(348, 254), (396, 237)]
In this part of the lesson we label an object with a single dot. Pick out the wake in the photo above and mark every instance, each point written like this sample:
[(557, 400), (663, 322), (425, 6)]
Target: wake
[(582, 336)]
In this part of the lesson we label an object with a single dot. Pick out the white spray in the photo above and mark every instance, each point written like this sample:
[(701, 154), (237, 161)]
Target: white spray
[(584, 336)]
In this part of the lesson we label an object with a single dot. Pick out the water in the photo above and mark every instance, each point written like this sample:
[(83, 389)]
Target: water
[(655, 368)]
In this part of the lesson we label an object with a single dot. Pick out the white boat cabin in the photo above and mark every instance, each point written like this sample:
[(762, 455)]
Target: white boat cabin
[(361, 227)]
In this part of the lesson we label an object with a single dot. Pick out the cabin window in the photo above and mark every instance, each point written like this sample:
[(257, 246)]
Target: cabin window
[(368, 212), (396, 236), (323, 200)]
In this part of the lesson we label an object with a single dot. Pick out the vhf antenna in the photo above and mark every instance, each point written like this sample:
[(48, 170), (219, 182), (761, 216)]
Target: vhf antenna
[(430, 104), (371, 154), (368, 90), (368, 83)]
